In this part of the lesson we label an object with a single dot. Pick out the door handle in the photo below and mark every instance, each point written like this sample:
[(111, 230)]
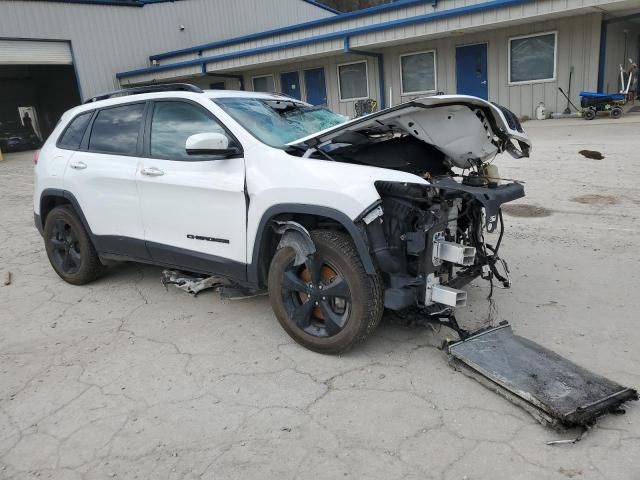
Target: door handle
[(78, 165), (152, 172)]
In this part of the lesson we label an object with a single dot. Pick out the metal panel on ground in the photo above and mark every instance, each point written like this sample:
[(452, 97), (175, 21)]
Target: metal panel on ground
[(32, 52)]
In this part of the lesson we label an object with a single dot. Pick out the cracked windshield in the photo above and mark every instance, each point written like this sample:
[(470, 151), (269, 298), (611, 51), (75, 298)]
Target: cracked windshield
[(277, 123)]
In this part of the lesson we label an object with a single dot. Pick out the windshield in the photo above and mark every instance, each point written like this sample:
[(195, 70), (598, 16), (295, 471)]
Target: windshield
[(278, 122)]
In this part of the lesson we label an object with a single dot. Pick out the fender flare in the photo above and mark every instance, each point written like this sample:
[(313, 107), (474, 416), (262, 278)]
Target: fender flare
[(357, 235), (59, 193)]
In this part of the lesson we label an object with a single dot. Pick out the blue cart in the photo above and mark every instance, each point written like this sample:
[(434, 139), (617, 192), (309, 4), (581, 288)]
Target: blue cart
[(593, 102)]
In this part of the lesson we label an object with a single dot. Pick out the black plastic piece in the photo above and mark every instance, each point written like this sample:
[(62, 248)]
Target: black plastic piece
[(490, 198), (163, 87), (399, 298)]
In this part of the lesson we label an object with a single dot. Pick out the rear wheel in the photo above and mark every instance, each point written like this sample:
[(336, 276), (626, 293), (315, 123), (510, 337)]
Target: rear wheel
[(329, 303), (589, 114), (69, 247), (616, 112)]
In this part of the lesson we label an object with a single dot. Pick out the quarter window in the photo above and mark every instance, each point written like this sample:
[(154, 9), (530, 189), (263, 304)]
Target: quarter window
[(264, 84), (116, 129), (173, 123), (418, 72), (72, 136), (353, 81), (532, 58)]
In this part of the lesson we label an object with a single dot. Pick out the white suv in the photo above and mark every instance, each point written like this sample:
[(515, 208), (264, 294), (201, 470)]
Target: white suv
[(338, 219)]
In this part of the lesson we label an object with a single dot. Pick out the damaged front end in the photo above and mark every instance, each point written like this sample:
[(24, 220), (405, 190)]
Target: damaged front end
[(431, 240)]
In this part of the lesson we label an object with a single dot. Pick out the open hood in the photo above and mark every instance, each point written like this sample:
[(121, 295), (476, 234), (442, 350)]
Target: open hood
[(467, 130)]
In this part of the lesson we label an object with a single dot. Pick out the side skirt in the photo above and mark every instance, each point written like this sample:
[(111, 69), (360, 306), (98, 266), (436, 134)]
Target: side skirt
[(118, 248)]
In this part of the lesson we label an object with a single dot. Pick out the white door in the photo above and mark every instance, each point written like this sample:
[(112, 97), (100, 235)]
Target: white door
[(102, 175), (193, 206)]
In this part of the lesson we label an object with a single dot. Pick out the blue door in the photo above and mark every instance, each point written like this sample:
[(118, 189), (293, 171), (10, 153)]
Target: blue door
[(316, 86), (290, 82), (471, 70)]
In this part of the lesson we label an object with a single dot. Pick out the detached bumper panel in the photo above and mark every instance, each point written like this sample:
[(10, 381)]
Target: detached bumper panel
[(553, 389)]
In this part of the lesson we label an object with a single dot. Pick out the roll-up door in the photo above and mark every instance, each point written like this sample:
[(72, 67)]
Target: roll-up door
[(34, 52)]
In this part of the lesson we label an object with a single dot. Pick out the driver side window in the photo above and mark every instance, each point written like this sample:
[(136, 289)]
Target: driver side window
[(172, 123)]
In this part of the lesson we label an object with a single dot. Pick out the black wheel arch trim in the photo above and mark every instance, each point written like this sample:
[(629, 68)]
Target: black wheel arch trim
[(357, 235), (59, 193)]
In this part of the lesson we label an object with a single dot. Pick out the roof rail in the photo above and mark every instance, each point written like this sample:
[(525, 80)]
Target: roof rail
[(162, 87)]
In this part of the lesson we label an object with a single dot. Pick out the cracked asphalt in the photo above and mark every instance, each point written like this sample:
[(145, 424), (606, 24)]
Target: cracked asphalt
[(124, 379)]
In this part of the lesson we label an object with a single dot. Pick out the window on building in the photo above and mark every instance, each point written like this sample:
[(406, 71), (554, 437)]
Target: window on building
[(532, 58), (418, 72), (264, 84), (72, 136), (353, 81), (116, 129), (173, 123)]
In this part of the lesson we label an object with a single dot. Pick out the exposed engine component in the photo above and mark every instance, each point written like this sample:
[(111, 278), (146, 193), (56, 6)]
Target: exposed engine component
[(430, 240)]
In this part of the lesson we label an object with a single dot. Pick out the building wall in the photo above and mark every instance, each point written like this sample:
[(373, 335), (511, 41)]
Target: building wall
[(109, 39), (623, 42), (578, 43), (330, 65)]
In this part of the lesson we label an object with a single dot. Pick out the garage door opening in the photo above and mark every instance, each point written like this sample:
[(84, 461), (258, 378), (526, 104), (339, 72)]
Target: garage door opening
[(37, 85)]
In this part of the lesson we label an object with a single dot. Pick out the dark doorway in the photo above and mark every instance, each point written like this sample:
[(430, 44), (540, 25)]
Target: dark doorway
[(43, 93), (316, 86)]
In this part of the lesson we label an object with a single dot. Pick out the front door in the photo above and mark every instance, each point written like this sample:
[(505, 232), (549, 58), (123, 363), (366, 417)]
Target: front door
[(290, 82), (193, 206), (316, 86), (471, 70)]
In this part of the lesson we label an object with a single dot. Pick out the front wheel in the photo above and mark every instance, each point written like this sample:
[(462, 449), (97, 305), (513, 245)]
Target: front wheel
[(329, 303)]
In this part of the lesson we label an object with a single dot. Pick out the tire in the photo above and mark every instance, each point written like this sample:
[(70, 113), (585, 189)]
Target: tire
[(589, 114), (335, 323), (69, 248), (616, 112)]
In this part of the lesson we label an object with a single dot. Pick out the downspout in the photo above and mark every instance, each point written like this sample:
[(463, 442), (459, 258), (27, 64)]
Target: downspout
[(380, 57), (603, 54)]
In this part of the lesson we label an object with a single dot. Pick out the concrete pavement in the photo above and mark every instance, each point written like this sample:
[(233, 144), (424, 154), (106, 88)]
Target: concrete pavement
[(122, 379)]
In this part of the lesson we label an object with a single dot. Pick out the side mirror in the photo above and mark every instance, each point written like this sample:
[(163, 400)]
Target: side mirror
[(210, 144)]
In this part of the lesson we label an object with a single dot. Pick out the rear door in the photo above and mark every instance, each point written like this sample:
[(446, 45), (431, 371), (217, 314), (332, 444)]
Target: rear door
[(193, 206), (102, 177)]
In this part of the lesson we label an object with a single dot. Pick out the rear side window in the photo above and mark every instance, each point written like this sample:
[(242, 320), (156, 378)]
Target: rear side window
[(72, 136), (116, 130)]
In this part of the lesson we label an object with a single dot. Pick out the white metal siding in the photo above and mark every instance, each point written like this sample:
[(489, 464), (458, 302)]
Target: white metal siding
[(25, 52), (109, 39), (578, 40)]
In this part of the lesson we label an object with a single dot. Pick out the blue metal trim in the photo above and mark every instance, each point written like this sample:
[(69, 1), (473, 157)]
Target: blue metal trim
[(331, 36), (113, 3), (603, 54), (291, 28), (380, 57), (322, 6)]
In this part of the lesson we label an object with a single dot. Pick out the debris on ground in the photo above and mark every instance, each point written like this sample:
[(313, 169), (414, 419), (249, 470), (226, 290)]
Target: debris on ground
[(6, 278), (592, 154)]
